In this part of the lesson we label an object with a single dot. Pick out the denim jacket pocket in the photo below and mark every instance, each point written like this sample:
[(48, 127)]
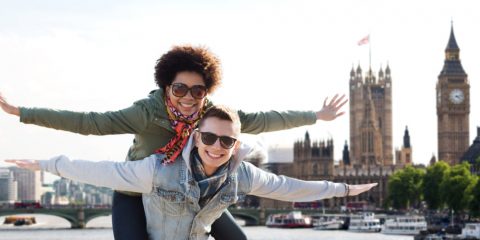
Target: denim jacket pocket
[(171, 202), (230, 198)]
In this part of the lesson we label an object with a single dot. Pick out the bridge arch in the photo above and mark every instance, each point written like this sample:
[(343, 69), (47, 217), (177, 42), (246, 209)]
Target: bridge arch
[(93, 215), (77, 217)]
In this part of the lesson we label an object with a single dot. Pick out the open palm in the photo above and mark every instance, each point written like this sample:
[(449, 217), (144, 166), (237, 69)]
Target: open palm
[(331, 110)]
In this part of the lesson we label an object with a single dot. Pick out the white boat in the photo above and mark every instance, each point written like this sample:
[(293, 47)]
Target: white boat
[(328, 223), (471, 231), (405, 225), (293, 219), (364, 222)]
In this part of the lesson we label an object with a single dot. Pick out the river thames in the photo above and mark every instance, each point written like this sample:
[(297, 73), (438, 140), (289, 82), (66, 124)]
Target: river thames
[(54, 228)]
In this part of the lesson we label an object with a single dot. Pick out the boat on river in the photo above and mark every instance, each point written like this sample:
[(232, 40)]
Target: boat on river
[(364, 222), (19, 220), (405, 225), (328, 223), (294, 219)]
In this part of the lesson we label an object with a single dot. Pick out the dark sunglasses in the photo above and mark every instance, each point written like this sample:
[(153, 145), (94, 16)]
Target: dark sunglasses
[(209, 138), (197, 91)]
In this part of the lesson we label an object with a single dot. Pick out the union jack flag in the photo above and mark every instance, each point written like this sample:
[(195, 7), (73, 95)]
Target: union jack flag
[(364, 40)]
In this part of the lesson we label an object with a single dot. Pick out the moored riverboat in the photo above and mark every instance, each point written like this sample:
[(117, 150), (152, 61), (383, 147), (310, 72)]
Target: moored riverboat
[(364, 222), (405, 225), (328, 223), (19, 220), (294, 219)]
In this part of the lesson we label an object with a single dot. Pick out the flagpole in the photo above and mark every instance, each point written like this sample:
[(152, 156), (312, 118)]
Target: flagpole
[(369, 51), (363, 41)]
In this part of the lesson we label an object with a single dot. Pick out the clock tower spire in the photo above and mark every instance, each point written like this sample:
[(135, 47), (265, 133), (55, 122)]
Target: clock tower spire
[(453, 105)]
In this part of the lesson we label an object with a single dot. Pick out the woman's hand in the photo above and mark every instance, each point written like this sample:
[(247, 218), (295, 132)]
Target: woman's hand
[(31, 165), (354, 190), (10, 109), (330, 112)]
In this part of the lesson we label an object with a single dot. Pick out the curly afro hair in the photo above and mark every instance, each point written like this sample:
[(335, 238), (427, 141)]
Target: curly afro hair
[(190, 59)]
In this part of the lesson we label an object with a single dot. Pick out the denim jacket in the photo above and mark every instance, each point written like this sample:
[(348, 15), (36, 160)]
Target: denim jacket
[(171, 195)]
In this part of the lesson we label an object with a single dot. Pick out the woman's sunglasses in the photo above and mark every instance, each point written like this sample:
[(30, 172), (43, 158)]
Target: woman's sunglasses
[(209, 138), (197, 91)]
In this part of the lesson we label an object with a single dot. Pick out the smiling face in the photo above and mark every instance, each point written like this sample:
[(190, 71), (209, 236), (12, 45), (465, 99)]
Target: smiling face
[(214, 156), (187, 104)]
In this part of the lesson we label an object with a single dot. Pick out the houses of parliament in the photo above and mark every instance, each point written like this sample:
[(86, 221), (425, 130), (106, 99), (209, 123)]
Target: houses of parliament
[(368, 156)]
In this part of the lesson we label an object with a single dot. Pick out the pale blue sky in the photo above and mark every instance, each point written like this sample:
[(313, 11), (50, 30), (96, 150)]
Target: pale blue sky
[(99, 56)]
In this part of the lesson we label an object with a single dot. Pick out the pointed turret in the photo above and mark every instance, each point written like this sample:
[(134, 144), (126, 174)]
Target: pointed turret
[(346, 155), (352, 74), (307, 137), (452, 43), (380, 73), (452, 64), (406, 138), (359, 71)]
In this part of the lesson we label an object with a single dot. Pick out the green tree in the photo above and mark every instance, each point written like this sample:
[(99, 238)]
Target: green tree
[(431, 184), (475, 203), (396, 196), (404, 187), (457, 187)]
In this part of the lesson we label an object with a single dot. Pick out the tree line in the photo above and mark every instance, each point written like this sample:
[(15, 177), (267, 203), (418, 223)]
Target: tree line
[(439, 186)]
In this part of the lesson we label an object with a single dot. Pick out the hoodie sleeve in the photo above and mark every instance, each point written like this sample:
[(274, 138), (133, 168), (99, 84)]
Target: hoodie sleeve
[(269, 185), (133, 119), (133, 176), (255, 123)]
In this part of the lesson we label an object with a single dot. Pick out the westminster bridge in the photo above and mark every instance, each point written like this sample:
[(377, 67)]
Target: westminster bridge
[(79, 216)]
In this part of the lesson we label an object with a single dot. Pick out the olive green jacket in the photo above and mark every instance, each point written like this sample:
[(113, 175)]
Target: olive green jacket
[(148, 120)]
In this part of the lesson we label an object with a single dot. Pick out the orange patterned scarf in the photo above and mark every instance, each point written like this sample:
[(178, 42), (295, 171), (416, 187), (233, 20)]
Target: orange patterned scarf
[(183, 126)]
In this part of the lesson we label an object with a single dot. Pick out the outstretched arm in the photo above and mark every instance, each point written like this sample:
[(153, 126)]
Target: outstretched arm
[(259, 122), (133, 119), (133, 176), (269, 185)]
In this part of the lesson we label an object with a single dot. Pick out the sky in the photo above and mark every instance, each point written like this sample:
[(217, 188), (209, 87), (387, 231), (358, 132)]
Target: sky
[(276, 55)]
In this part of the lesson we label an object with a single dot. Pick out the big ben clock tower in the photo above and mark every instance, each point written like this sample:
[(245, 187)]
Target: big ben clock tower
[(453, 106)]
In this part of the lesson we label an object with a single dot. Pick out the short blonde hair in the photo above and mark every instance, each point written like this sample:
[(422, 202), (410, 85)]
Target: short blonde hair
[(224, 113)]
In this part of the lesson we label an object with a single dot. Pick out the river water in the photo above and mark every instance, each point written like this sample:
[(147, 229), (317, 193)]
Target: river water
[(55, 228)]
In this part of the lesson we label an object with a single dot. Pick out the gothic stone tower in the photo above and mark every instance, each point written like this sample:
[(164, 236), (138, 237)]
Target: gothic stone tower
[(371, 118), (453, 106), (313, 161), (404, 155)]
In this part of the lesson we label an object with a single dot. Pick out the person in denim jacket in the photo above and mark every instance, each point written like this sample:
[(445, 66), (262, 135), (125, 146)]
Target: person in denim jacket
[(184, 197)]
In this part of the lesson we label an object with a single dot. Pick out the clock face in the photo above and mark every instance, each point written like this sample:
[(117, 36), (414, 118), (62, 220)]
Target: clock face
[(456, 96)]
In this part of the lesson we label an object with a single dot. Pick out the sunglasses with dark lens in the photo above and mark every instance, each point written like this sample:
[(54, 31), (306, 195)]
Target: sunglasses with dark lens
[(209, 138), (197, 91)]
